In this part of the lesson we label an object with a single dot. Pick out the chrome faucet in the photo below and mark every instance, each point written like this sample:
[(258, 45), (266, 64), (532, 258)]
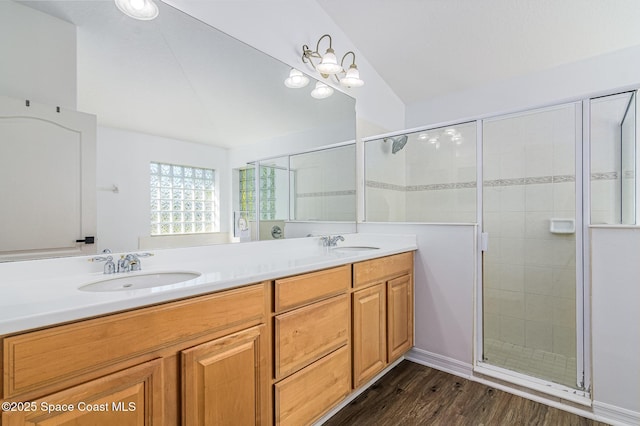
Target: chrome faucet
[(329, 241), (126, 263), (109, 266)]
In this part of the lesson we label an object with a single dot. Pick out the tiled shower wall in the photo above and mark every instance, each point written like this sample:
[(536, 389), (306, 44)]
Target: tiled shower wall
[(433, 179), (324, 185), (529, 272)]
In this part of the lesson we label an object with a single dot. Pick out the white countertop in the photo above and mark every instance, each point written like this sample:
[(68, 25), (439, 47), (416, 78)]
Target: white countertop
[(45, 292)]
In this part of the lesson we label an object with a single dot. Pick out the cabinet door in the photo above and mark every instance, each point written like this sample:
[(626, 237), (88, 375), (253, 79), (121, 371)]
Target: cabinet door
[(225, 381), (131, 397), (399, 317), (369, 334)]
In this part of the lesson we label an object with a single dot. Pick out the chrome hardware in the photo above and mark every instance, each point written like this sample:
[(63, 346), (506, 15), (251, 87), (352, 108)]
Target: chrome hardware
[(109, 266), (126, 263), (329, 241)]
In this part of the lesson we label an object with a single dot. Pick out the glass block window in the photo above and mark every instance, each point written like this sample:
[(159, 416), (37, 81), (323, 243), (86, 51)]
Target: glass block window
[(267, 193), (182, 200)]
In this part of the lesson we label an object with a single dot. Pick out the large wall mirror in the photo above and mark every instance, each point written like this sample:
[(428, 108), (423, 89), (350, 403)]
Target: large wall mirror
[(172, 91)]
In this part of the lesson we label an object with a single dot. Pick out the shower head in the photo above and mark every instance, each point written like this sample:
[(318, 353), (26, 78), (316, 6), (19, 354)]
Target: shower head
[(398, 143)]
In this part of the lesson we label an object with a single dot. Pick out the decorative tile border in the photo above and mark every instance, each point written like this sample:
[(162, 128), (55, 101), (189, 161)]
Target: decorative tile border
[(490, 183), (439, 186), (384, 185), (604, 176), (326, 193)]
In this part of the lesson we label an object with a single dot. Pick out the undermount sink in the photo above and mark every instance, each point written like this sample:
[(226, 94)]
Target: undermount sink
[(354, 248), (138, 281)]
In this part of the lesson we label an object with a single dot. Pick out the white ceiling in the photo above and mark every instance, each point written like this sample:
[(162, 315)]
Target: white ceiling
[(427, 48)]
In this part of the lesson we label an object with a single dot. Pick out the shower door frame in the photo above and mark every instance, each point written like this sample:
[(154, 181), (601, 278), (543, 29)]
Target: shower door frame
[(580, 394)]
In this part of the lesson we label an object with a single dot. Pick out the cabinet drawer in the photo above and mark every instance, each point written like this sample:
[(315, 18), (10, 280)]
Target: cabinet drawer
[(60, 355), (304, 289), (307, 334), (374, 270), (308, 394)]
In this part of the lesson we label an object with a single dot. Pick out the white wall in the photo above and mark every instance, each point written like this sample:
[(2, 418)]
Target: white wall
[(123, 160), (615, 300), (445, 266), (38, 60), (618, 69), (280, 28)]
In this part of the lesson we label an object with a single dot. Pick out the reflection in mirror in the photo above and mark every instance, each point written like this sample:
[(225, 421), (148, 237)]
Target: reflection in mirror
[(323, 186), (261, 199), (303, 194), (426, 176), (614, 159), (173, 90)]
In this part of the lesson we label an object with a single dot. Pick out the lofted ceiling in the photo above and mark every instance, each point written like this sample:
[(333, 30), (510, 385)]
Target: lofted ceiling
[(428, 48)]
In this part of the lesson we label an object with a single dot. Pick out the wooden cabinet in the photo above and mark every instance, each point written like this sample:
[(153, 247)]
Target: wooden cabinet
[(132, 397), (283, 351), (312, 345), (382, 301), (306, 395), (369, 331), (199, 361), (399, 316), (223, 380)]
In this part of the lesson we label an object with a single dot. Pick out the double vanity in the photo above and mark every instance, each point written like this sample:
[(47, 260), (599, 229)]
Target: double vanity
[(259, 333)]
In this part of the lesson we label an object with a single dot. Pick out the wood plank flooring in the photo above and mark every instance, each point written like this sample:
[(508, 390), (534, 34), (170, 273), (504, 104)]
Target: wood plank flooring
[(412, 394)]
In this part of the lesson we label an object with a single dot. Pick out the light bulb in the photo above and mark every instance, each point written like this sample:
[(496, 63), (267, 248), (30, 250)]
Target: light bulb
[(144, 10), (296, 79), (137, 4), (352, 78), (329, 63), (321, 91)]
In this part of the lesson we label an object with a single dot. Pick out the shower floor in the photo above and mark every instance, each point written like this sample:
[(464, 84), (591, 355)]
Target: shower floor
[(535, 362)]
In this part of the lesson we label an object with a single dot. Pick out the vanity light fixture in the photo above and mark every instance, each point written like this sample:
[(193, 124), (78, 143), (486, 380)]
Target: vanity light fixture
[(144, 10), (328, 64), (321, 91), (352, 75), (296, 79)]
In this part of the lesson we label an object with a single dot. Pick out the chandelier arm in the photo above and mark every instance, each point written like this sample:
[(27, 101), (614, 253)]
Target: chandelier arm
[(320, 39), (345, 56)]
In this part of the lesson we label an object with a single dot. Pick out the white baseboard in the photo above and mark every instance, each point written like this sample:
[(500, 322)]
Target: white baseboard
[(614, 415), (599, 411), (440, 362)]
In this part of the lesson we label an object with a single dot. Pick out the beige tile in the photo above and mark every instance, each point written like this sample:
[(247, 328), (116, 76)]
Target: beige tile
[(512, 198), (539, 197), (539, 335), (511, 303), (537, 224), (512, 277), (539, 308), (538, 280), (512, 251), (564, 340), (512, 224), (512, 330), (564, 312)]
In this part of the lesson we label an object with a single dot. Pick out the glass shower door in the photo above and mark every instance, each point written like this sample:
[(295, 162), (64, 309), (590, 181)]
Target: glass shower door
[(529, 268)]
